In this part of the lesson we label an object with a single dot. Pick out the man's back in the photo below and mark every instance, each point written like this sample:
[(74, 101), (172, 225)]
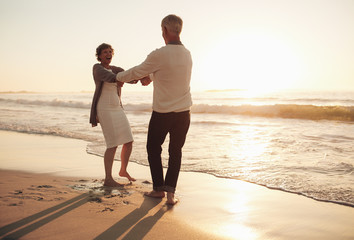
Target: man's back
[(172, 78)]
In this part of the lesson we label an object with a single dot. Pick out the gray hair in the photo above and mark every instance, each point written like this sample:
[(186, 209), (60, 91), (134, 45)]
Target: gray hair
[(173, 23)]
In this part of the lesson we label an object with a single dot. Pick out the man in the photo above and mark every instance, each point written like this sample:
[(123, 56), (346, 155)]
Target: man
[(169, 68)]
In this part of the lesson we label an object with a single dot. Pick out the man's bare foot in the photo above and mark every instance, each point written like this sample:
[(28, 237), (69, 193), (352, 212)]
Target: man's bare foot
[(126, 174), (171, 200), (155, 194), (111, 183)]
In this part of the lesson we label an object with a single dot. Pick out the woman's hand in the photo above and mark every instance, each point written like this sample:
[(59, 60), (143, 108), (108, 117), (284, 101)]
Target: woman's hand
[(133, 82)]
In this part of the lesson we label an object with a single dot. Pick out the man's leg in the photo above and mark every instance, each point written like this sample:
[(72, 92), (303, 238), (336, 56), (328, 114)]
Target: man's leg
[(156, 136), (178, 133)]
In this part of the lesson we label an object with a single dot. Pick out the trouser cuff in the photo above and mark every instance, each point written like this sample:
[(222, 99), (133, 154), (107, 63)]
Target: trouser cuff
[(170, 189), (159, 189), (165, 189)]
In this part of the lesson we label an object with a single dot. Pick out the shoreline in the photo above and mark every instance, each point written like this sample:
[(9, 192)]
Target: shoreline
[(209, 207)]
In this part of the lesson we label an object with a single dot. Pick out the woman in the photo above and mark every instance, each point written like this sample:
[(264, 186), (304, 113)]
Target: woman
[(107, 110)]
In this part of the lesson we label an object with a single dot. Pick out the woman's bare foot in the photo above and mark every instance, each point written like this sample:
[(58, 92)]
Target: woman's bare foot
[(171, 200), (155, 194), (111, 183), (126, 174)]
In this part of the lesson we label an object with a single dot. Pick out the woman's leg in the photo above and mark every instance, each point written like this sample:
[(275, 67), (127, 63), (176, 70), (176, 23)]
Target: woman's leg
[(124, 157), (108, 164)]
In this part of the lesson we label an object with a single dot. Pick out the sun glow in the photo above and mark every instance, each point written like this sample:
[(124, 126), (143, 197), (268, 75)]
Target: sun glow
[(239, 215), (258, 63)]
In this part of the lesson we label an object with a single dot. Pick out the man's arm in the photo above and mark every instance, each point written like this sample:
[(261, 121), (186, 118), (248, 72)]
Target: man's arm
[(119, 69), (150, 65)]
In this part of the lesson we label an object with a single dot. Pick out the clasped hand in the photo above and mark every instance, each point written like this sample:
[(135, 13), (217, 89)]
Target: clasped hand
[(145, 81)]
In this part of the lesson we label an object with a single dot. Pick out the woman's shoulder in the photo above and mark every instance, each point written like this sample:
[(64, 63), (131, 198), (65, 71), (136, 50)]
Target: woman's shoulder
[(116, 69), (97, 65)]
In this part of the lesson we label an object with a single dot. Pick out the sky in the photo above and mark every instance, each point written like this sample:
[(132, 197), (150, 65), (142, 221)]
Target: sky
[(260, 45)]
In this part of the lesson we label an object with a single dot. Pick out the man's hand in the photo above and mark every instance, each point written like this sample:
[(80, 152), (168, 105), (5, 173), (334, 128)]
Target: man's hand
[(145, 81)]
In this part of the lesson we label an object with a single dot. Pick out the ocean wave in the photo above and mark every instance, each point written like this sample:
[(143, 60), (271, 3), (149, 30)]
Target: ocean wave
[(53, 103), (307, 112), (143, 107), (324, 101), (314, 101), (51, 131)]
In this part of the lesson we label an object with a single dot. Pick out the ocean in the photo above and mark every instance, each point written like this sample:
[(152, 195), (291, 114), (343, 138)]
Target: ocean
[(298, 142)]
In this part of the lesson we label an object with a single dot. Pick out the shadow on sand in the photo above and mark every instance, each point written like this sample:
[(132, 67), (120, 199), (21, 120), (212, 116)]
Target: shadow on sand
[(143, 225), (69, 205), (18, 229)]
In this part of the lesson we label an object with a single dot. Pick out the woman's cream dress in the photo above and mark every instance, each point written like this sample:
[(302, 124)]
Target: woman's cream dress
[(115, 126)]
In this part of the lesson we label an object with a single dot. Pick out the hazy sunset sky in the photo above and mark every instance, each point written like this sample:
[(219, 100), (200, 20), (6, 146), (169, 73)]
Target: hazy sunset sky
[(49, 45)]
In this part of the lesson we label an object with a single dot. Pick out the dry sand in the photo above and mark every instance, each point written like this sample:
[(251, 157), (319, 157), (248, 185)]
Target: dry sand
[(50, 188)]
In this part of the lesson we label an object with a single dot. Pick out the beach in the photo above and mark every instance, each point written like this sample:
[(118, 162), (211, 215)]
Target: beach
[(52, 189), (291, 151), (269, 150)]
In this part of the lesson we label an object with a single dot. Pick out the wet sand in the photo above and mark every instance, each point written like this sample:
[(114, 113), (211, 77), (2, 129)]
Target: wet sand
[(50, 188)]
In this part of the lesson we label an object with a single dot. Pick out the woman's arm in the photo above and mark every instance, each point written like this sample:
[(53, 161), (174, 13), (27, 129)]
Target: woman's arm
[(100, 74), (119, 69)]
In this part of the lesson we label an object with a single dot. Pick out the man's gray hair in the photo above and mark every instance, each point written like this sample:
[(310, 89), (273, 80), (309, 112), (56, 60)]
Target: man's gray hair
[(173, 23)]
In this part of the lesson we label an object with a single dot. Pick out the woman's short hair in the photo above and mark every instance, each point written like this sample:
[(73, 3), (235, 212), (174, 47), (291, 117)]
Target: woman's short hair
[(173, 23), (102, 47)]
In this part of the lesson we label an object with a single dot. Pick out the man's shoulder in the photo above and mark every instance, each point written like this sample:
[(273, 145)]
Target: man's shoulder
[(158, 50), (168, 48)]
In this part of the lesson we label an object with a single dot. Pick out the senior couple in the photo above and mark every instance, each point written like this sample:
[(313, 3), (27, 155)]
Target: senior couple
[(169, 68)]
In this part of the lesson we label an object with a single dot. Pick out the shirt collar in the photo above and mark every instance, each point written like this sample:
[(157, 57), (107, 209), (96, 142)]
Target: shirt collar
[(175, 43)]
